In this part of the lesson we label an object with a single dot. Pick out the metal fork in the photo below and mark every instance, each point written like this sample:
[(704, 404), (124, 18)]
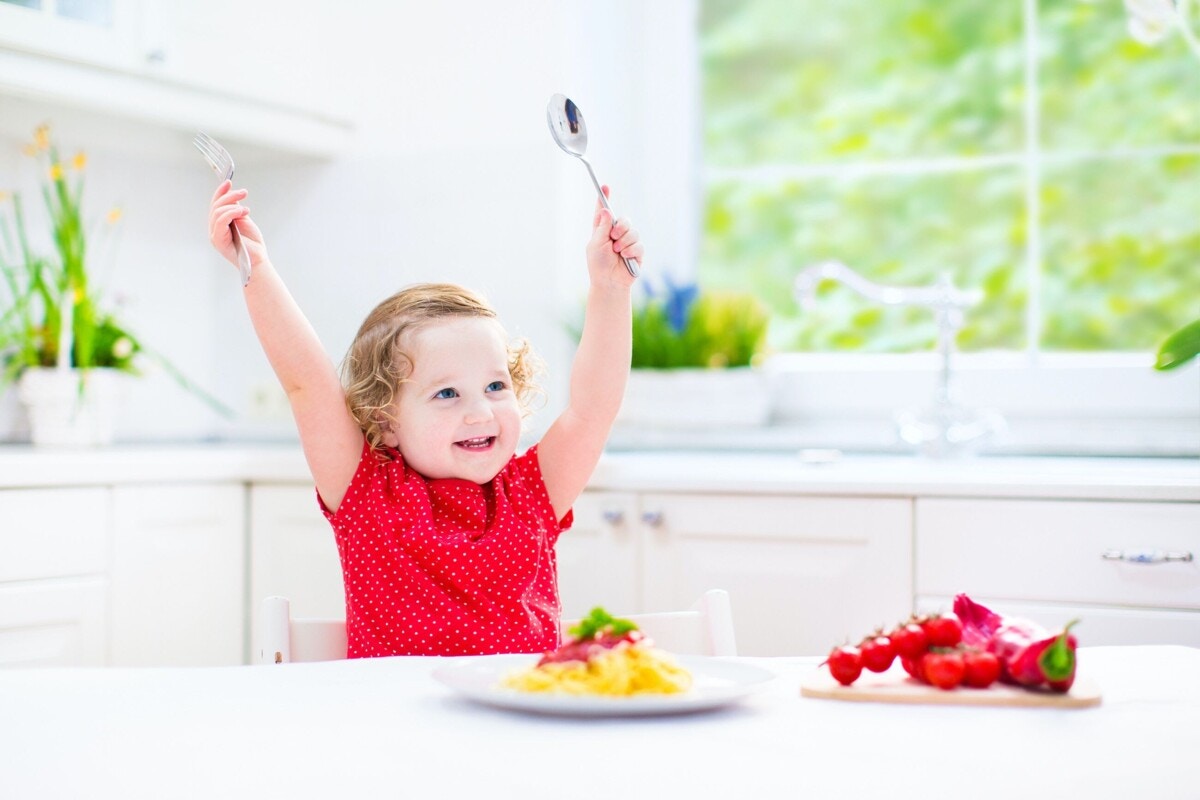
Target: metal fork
[(222, 163)]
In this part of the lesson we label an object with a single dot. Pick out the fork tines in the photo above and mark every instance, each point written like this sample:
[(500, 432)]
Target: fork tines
[(217, 156)]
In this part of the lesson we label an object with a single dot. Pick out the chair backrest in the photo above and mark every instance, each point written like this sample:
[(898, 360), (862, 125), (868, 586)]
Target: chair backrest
[(705, 629), (284, 639)]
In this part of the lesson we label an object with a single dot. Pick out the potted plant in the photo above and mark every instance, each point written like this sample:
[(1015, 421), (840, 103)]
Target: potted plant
[(696, 360), (58, 342)]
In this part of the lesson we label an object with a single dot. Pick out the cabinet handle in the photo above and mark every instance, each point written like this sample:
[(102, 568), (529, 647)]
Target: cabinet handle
[(653, 518), (613, 516), (1146, 556)]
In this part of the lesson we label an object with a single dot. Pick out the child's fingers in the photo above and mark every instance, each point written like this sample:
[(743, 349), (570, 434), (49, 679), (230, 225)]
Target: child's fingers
[(230, 197), (635, 251), (620, 228), (599, 206), (221, 189), (219, 225), (601, 228), (627, 239), (248, 229)]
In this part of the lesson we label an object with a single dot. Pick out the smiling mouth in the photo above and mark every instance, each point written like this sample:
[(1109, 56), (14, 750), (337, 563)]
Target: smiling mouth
[(481, 443)]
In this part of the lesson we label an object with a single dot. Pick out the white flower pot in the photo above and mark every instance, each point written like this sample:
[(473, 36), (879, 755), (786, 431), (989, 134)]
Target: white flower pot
[(70, 408), (683, 399)]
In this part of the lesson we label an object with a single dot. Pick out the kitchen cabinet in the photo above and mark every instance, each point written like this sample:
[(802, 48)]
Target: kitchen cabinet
[(178, 575), (53, 577), (170, 66), (1126, 570), (599, 557), (293, 553), (138, 555), (800, 571)]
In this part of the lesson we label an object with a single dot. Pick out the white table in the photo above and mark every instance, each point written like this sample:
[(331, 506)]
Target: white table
[(384, 727)]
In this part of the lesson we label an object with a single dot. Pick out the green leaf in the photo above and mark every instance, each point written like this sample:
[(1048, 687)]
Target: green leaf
[(600, 621), (1180, 347)]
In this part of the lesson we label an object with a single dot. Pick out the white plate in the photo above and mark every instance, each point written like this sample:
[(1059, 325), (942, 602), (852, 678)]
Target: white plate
[(715, 682)]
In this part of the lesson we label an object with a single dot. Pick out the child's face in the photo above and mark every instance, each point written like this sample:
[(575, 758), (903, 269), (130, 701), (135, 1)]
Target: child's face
[(457, 414)]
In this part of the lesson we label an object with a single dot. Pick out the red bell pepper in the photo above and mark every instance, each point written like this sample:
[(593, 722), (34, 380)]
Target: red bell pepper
[(1030, 655)]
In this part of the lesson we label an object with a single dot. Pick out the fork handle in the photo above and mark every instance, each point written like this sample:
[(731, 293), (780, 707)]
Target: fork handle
[(243, 257)]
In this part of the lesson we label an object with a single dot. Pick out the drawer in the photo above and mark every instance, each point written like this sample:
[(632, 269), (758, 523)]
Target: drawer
[(46, 533), (1045, 550), (1098, 625), (54, 623)]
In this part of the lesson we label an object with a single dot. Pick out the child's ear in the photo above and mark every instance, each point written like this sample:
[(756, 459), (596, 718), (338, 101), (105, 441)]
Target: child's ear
[(390, 439)]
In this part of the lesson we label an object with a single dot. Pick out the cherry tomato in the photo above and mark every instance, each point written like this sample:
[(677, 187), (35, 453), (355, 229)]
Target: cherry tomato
[(877, 653), (910, 640), (845, 664), (915, 667), (982, 668), (944, 670), (943, 631)]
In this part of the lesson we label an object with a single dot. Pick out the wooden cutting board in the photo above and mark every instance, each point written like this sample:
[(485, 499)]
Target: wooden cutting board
[(895, 686)]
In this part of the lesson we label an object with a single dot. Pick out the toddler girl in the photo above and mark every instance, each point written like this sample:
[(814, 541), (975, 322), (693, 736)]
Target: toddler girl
[(446, 536)]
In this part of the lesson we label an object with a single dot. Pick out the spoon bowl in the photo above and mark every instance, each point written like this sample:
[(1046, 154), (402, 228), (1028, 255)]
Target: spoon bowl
[(570, 133)]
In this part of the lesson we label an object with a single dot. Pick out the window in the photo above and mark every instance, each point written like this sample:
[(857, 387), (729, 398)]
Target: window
[(1030, 149)]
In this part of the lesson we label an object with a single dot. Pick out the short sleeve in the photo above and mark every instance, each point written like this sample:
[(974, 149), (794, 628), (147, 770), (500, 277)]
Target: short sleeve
[(530, 469), (370, 471)]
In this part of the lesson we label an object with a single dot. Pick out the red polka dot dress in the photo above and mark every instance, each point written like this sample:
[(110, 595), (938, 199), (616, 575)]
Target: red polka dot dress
[(447, 567)]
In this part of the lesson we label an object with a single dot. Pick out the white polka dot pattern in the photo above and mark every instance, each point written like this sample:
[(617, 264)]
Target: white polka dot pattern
[(447, 567)]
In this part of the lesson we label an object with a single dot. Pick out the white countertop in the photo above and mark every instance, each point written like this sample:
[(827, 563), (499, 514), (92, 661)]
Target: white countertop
[(683, 471), (385, 728)]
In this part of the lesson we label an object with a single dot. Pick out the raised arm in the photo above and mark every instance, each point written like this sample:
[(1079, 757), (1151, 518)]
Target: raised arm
[(572, 446), (331, 438)]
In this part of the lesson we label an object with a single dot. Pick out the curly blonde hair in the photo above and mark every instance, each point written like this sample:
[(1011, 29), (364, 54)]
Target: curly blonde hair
[(376, 364)]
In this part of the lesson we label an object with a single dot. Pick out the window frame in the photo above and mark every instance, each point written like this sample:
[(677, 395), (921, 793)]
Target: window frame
[(1106, 403)]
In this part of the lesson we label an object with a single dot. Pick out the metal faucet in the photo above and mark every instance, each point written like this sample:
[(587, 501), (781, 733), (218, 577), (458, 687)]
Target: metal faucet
[(948, 427)]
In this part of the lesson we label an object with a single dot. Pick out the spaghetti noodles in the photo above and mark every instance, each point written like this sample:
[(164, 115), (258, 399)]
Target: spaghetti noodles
[(606, 657)]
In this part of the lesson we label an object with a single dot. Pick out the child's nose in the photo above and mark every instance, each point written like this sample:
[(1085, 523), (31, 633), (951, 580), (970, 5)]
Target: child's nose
[(478, 411)]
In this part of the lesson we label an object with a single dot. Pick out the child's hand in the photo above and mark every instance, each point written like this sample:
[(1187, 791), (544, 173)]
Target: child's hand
[(609, 245), (225, 210)]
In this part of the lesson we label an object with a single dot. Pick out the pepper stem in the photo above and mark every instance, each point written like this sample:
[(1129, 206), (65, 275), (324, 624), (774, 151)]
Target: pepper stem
[(1057, 661)]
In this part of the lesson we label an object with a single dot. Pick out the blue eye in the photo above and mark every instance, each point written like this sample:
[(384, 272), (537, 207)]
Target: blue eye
[(496, 386), (446, 394)]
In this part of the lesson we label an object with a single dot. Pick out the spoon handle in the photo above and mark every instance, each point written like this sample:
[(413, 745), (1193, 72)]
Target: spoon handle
[(630, 264)]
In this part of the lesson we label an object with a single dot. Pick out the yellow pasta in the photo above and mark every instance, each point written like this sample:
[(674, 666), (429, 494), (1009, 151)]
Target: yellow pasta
[(625, 670)]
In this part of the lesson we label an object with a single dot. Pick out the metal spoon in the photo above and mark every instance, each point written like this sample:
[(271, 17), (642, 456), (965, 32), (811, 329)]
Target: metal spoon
[(569, 132)]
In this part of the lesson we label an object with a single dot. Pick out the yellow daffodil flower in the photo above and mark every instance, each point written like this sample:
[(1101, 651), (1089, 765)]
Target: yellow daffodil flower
[(41, 137), (56, 172), (113, 216), (80, 161)]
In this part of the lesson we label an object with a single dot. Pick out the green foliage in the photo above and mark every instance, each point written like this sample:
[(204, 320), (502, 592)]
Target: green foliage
[(599, 621), (687, 327), (1180, 347), (49, 301), (812, 108), (47, 293)]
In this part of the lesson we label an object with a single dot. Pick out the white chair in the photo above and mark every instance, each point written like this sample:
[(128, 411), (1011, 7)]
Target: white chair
[(705, 629), (284, 639)]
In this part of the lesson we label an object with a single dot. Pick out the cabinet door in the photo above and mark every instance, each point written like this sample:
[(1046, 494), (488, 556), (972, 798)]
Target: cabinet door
[(802, 573), (598, 556), (53, 623), (293, 554), (1060, 551), (53, 533), (178, 575)]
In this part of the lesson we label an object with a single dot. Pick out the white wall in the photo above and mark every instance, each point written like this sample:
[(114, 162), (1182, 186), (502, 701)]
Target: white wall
[(451, 175)]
